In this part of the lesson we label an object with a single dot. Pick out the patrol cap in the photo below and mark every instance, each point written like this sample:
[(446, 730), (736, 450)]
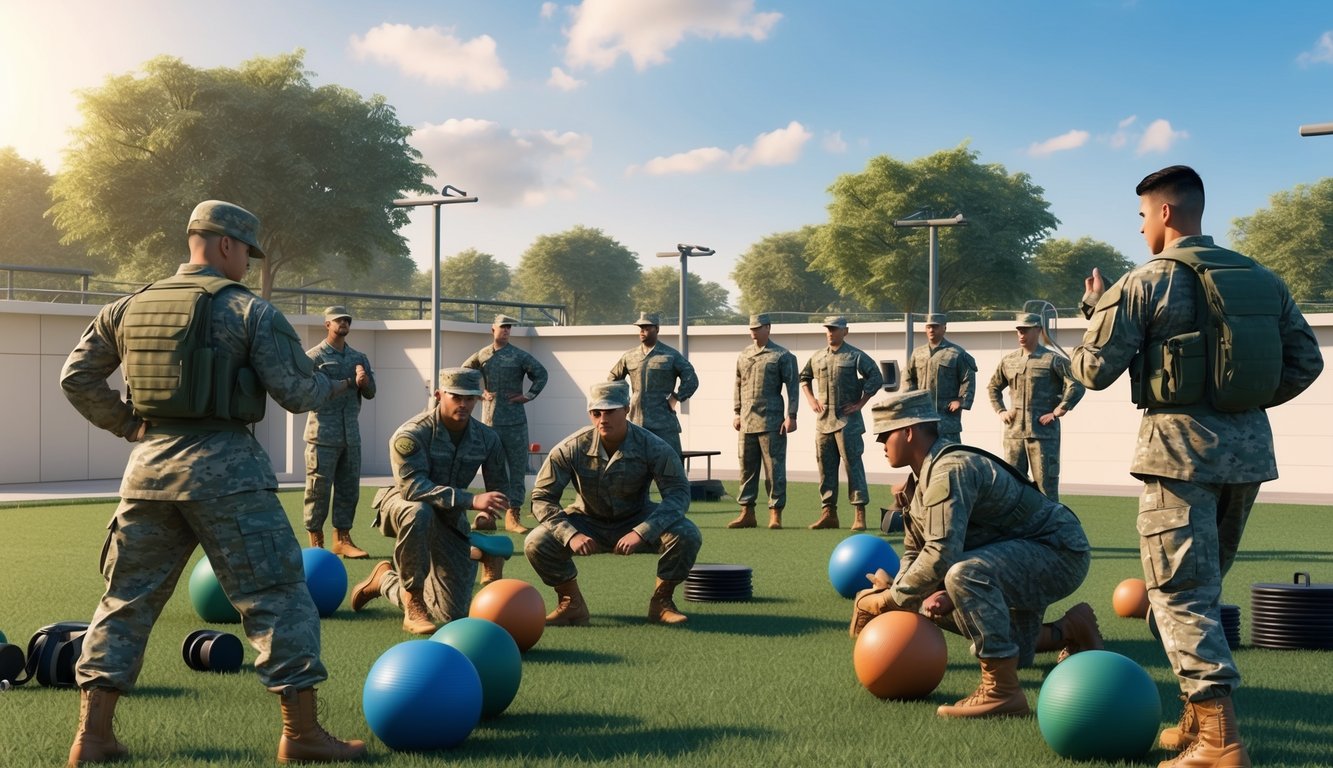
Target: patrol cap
[(606, 395), (1027, 320), (461, 381), (227, 219), (835, 321), (760, 320), (501, 320), (648, 318), (903, 410), (937, 318), (335, 312)]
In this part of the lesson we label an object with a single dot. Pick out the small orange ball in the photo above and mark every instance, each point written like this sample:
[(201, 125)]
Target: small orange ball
[(1131, 599), (900, 655), (515, 605)]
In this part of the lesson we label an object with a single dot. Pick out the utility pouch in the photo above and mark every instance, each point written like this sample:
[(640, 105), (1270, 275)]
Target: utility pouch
[(1176, 372)]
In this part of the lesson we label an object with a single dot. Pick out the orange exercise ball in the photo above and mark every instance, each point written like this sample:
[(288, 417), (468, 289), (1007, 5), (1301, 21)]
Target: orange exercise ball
[(515, 605), (900, 655), (1131, 599)]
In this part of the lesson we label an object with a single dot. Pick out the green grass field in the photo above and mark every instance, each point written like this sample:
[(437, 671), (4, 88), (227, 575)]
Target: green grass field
[(763, 683)]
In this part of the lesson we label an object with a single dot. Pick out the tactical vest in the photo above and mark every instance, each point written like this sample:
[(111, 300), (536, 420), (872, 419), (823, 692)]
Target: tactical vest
[(172, 369), (1233, 362)]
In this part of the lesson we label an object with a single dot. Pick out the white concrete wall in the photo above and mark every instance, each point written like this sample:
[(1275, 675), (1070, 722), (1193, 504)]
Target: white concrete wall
[(46, 440)]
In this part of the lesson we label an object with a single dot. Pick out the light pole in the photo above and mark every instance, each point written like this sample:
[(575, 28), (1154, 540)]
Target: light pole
[(1317, 129), (932, 300), (448, 195), (685, 251)]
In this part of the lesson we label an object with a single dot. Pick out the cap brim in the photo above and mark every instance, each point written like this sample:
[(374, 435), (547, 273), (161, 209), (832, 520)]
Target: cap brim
[(463, 392), (605, 405)]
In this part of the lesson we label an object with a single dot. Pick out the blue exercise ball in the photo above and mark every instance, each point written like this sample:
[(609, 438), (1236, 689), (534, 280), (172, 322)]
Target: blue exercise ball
[(207, 597), (422, 695), (1099, 705), (495, 655), (325, 577), (856, 556)]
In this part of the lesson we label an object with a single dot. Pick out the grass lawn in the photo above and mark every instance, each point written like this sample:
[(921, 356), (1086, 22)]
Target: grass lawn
[(763, 683)]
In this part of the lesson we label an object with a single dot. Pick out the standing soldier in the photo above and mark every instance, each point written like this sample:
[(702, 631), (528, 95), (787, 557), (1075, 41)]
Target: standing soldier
[(1042, 390), (947, 372), (198, 478), (503, 367), (333, 438), (847, 379), (763, 371), (653, 370)]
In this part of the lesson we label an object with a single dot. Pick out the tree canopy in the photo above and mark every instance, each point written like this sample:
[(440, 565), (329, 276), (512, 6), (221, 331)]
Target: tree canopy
[(659, 291), (1062, 264), (27, 236), (589, 272), (985, 263), (319, 166), (471, 274), (1294, 238), (775, 275)]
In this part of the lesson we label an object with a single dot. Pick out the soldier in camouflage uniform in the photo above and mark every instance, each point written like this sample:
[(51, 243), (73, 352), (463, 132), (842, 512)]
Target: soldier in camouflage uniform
[(434, 456), (333, 438), (847, 379), (611, 464), (653, 369), (1043, 390), (203, 482), (984, 555), (1201, 468), (503, 367), (763, 371), (947, 371)]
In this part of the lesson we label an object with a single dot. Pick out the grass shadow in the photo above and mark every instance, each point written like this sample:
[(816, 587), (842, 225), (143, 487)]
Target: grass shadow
[(598, 737), (569, 656)]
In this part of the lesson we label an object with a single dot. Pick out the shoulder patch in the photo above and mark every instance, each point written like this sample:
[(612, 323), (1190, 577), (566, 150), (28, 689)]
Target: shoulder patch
[(937, 492), (405, 445)]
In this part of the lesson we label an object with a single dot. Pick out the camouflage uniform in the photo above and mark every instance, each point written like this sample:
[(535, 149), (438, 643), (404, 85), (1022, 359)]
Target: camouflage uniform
[(1040, 383), (949, 373), (844, 375), (333, 441), (426, 510), (185, 486), (1201, 468), (502, 372), (762, 373), (652, 376), (611, 500), (1001, 550)]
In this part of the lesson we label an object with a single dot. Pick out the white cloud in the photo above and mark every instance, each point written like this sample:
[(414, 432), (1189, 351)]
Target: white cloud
[(562, 80), (1121, 136), (505, 167), (645, 30), (780, 147), (1322, 52), (1159, 136), (1065, 141), (549, 9), (434, 55), (834, 143)]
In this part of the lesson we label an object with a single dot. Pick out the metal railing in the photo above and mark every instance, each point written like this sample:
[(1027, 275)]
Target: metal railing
[(44, 293)]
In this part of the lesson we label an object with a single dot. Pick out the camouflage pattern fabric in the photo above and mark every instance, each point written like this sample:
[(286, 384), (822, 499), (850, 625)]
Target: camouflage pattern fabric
[(1039, 459), (333, 441), (502, 374), (763, 375), (769, 451), (1038, 383), (611, 499), (949, 373), (331, 471), (839, 377), (847, 447), (652, 377), (435, 557)]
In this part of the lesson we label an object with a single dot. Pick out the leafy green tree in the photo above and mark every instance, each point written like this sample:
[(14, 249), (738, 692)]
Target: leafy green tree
[(319, 166), (885, 268), (471, 274), (775, 275), (1294, 238), (587, 271), (1062, 265), (27, 236), (659, 291)]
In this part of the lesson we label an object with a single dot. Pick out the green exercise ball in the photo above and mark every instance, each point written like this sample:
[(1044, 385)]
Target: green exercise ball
[(1099, 705), (206, 594)]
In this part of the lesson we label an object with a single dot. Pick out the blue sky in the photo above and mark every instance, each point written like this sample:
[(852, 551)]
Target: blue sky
[(721, 121)]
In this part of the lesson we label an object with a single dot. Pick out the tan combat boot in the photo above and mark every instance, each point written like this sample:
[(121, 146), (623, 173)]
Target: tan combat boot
[(570, 610), (775, 518), (661, 608), (745, 519), (999, 694), (1183, 734), (859, 517), (1217, 744), (94, 742), (483, 523), (368, 590), (828, 518), (343, 546), (492, 566), (416, 618), (871, 602), (512, 522), (304, 740), (317, 539), (1074, 632)]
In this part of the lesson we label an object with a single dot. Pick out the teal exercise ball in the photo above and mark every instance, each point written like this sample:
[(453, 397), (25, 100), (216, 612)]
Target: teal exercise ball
[(422, 695), (1099, 705), (325, 577), (495, 655), (207, 597), (856, 556)]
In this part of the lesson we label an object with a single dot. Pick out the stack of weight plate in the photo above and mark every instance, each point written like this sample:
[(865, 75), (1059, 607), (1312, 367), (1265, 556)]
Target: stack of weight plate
[(1292, 616), (1231, 624), (719, 583)]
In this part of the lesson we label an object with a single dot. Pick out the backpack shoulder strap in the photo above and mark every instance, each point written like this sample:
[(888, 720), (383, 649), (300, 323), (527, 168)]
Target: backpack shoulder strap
[(952, 447)]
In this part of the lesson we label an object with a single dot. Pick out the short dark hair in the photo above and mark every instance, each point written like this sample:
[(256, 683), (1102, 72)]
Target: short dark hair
[(1180, 184)]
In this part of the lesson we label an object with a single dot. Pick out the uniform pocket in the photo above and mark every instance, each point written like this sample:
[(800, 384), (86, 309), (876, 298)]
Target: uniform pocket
[(273, 555), (1166, 541)]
